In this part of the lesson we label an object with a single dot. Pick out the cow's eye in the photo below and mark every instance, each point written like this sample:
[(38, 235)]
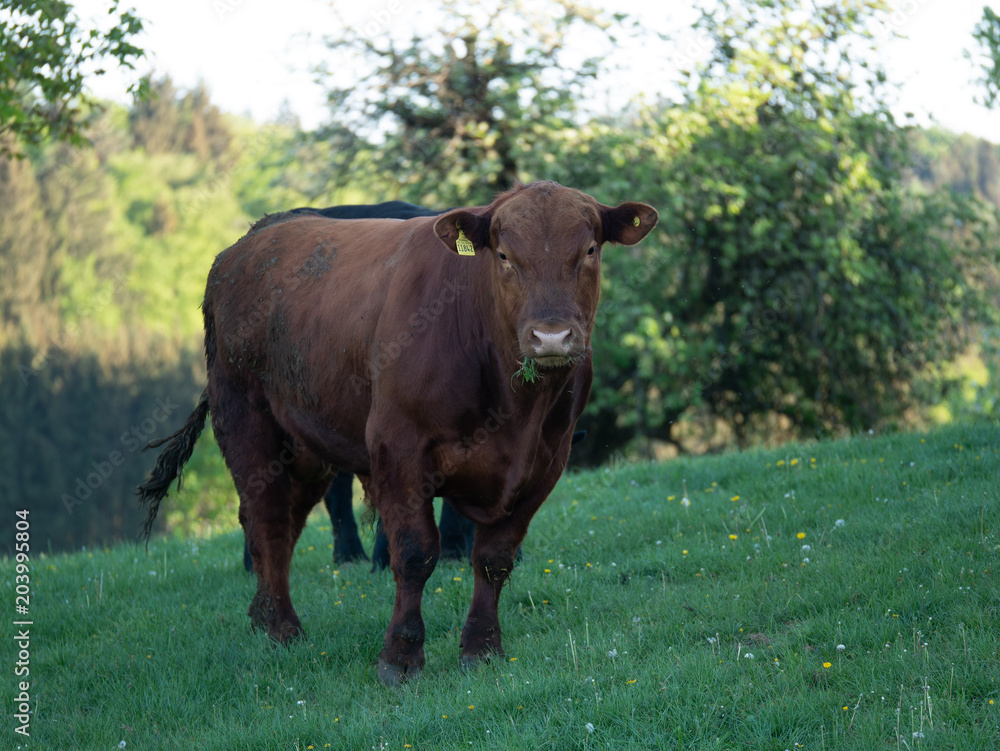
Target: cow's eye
[(593, 249), (503, 256)]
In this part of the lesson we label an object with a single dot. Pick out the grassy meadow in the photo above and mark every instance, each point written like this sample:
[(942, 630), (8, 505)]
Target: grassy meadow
[(838, 595)]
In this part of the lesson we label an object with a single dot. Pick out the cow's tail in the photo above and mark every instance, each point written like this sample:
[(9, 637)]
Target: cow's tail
[(169, 464)]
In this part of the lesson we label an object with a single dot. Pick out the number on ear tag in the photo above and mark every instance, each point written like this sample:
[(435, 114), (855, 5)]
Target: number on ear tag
[(464, 245), (635, 221)]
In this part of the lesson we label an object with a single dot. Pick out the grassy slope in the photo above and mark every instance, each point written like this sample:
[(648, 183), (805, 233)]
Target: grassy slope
[(630, 622)]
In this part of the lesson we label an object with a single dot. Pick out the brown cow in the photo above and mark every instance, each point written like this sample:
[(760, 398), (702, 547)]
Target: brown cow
[(402, 351)]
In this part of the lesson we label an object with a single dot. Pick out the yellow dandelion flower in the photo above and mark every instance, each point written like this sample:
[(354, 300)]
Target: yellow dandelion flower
[(670, 497), (735, 498), (548, 571), (801, 535), (629, 683), (513, 659), (444, 717), (845, 709), (456, 578), (781, 462), (472, 706), (732, 537), (827, 664), (794, 462), (684, 552)]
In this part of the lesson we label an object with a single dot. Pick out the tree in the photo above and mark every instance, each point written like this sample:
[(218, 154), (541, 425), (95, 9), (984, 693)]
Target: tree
[(166, 121), (803, 287), (464, 112), (46, 55), (987, 34)]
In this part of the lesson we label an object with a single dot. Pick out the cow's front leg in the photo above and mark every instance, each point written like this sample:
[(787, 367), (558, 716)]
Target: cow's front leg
[(414, 548), (492, 561)]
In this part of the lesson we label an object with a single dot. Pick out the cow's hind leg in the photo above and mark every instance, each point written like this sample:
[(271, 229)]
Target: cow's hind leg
[(273, 533), (273, 503)]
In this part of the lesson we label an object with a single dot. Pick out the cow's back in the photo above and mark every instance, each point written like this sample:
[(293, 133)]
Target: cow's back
[(293, 308)]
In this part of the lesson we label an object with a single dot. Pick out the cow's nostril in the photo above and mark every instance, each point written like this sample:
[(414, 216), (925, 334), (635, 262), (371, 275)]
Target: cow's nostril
[(557, 342)]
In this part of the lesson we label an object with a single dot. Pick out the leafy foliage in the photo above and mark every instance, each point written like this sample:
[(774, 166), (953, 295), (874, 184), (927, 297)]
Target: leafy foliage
[(459, 115), (46, 55), (817, 269), (987, 34), (803, 285)]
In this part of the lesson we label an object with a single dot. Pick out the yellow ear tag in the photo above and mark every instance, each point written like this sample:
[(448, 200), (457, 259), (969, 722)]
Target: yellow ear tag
[(464, 245), (635, 221)]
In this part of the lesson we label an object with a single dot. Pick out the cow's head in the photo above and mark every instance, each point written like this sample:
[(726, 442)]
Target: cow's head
[(544, 242)]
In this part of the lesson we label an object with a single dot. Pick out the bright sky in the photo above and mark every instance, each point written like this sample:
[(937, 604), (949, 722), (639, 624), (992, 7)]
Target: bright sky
[(253, 57)]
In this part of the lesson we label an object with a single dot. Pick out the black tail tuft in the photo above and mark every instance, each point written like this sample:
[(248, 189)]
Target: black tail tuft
[(179, 448)]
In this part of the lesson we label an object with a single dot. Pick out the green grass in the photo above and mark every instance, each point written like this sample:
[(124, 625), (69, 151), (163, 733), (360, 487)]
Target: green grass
[(629, 623)]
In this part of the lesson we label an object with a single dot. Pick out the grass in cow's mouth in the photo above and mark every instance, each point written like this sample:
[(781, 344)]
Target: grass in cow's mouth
[(528, 372)]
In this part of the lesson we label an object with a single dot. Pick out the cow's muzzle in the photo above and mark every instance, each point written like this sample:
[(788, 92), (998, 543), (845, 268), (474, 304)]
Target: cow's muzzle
[(553, 346)]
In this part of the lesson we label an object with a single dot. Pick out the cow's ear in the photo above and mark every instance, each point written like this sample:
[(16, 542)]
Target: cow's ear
[(463, 232), (627, 223)]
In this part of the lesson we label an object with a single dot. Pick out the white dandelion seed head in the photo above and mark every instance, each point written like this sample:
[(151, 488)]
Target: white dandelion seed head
[(841, 647), (590, 727), (806, 548), (748, 655), (612, 653), (917, 734), (685, 501), (805, 560), (839, 523)]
